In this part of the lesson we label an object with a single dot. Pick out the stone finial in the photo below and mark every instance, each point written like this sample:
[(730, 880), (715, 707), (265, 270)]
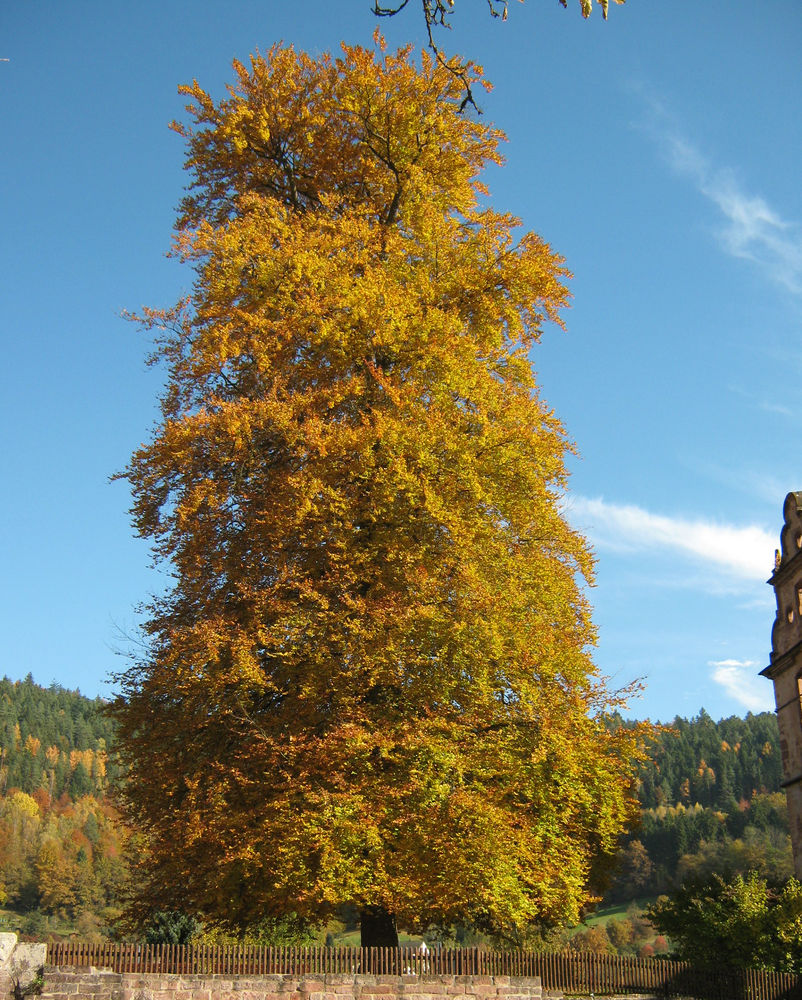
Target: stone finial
[(791, 534), (786, 633)]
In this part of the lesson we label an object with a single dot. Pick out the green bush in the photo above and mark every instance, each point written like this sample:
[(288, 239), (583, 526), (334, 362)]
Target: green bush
[(171, 927), (743, 922)]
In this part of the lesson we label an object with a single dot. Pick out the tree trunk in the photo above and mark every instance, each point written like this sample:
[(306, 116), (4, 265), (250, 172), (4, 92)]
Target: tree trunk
[(377, 928)]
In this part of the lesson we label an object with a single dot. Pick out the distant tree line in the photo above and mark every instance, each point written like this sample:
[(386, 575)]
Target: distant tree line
[(718, 765), (710, 797), (711, 802), (62, 845), (53, 739)]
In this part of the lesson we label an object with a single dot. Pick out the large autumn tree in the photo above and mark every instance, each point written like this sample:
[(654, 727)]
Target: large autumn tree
[(369, 681)]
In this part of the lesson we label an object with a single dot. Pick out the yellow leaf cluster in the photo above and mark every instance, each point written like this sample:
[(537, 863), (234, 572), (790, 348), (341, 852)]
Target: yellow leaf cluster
[(370, 681)]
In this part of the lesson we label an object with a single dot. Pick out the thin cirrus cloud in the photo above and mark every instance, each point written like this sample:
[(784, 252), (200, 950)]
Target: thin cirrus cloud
[(741, 552), (752, 229), (739, 680)]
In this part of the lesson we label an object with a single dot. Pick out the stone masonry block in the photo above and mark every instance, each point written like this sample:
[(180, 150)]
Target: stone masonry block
[(480, 990), (271, 984)]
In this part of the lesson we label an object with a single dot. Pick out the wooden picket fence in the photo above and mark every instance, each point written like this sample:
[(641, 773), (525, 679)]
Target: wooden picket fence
[(576, 973)]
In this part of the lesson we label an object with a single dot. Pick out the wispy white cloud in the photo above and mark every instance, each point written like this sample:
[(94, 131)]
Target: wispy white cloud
[(765, 603), (783, 411), (739, 679), (761, 403), (751, 229), (740, 551)]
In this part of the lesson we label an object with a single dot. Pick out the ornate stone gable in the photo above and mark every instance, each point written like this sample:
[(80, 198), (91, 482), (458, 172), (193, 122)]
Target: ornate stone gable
[(785, 668)]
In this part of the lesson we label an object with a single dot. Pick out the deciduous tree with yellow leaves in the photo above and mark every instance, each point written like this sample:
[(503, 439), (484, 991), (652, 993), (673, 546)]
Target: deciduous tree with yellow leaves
[(370, 680)]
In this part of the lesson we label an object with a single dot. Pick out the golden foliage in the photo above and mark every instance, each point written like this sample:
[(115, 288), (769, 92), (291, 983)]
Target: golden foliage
[(370, 681)]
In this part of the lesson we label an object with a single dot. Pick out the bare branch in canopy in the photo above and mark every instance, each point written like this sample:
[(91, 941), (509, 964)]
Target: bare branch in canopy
[(437, 14)]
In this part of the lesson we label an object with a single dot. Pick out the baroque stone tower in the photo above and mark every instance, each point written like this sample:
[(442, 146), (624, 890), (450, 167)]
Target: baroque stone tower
[(785, 669)]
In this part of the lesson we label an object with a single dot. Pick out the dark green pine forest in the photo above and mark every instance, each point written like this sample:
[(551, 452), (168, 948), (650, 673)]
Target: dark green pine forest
[(711, 802), (710, 797)]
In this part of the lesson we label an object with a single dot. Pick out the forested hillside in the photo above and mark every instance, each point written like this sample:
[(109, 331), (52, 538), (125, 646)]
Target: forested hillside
[(711, 800), (714, 764), (710, 794), (61, 844)]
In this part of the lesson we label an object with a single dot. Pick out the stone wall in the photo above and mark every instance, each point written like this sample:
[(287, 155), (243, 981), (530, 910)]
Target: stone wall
[(19, 963), (97, 984)]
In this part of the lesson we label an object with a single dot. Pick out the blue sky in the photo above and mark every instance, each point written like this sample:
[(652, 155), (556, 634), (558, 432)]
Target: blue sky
[(659, 152)]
